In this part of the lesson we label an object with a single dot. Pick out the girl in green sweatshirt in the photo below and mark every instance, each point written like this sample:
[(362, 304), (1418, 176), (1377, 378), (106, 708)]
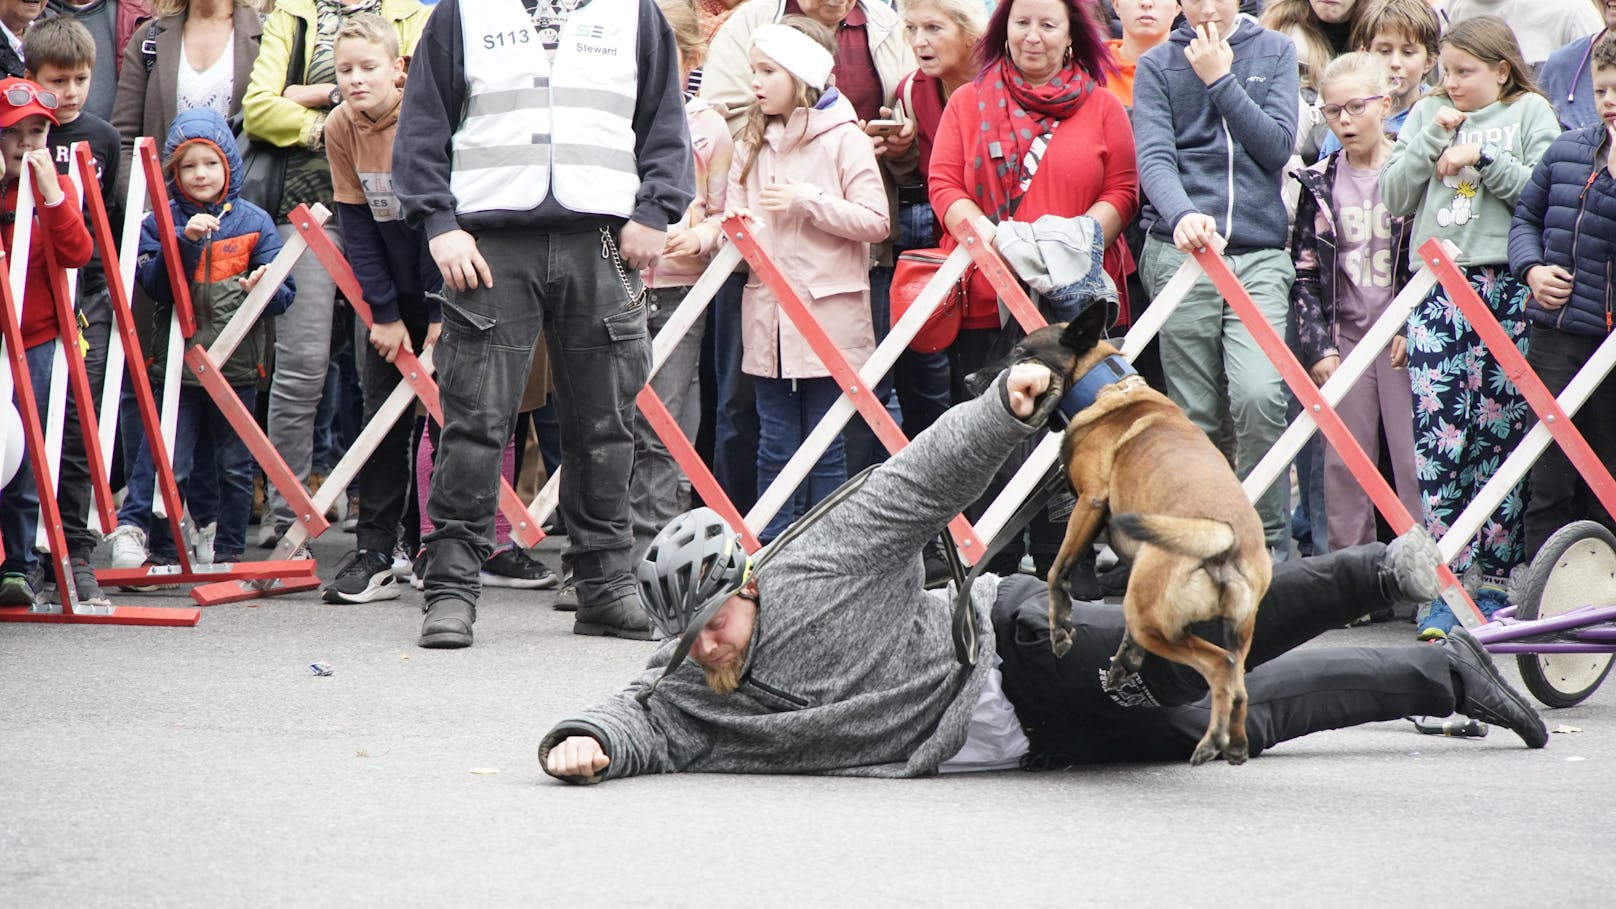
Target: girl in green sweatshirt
[(1460, 163)]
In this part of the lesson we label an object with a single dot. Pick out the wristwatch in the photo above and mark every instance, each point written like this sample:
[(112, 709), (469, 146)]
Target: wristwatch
[(336, 97), (1488, 154)]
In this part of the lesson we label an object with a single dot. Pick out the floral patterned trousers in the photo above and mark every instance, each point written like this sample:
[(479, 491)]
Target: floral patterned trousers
[(1467, 416)]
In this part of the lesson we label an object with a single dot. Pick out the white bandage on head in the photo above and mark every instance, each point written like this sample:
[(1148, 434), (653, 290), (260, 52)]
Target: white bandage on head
[(800, 55)]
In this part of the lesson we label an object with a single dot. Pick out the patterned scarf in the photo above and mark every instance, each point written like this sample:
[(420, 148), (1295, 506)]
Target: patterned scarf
[(1014, 117)]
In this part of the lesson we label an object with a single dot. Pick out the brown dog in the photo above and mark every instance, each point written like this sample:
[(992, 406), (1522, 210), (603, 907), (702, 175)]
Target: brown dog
[(1178, 513)]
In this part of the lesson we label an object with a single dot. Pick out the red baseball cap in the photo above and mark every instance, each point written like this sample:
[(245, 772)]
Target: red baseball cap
[(20, 98)]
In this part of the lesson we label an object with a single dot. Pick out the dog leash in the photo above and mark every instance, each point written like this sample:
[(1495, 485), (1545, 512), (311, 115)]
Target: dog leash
[(964, 622)]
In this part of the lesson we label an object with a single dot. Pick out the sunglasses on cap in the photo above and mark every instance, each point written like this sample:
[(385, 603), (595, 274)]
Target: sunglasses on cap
[(20, 95)]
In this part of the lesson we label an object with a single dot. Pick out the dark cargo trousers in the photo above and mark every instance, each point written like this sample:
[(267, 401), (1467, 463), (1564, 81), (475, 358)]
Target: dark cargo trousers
[(599, 359)]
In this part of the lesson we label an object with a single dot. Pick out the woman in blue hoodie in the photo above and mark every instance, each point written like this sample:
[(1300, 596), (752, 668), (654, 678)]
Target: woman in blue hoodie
[(225, 244), (1215, 114)]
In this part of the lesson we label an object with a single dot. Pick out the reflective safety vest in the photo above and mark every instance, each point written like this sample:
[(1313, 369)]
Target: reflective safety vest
[(532, 128)]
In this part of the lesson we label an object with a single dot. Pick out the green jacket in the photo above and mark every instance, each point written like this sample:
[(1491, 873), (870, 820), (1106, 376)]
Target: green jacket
[(286, 123)]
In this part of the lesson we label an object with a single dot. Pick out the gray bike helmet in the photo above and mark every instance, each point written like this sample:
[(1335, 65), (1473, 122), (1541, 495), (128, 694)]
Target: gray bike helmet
[(694, 565)]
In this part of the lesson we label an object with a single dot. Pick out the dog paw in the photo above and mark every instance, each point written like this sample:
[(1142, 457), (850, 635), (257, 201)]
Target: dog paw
[(1060, 641), (1115, 677), (1236, 754), (1204, 752)]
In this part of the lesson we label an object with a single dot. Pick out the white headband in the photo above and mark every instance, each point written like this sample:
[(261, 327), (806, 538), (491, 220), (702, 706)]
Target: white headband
[(801, 55)]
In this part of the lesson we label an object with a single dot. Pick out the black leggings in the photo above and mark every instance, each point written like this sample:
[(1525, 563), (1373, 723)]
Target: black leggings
[(1164, 712)]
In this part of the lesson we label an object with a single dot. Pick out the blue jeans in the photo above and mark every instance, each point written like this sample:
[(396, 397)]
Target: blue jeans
[(201, 428), (201, 492), (19, 502), (789, 409)]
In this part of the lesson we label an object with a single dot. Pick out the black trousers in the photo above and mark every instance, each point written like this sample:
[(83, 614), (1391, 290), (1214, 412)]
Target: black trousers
[(1559, 495), (1163, 713), (387, 479)]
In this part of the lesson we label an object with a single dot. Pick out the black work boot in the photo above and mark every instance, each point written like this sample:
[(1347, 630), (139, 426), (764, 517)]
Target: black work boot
[(447, 624), (622, 616), (1481, 693)]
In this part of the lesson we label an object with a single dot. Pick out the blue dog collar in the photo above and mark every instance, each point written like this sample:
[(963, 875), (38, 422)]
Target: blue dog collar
[(1081, 395)]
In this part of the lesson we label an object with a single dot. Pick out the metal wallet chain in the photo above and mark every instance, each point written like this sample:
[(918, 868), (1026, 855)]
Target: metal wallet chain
[(608, 251)]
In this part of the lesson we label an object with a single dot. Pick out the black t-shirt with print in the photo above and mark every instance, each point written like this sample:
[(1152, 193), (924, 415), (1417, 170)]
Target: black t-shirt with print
[(104, 149)]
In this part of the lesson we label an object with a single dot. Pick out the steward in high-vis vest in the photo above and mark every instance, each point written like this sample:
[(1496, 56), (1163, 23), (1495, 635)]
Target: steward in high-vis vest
[(543, 149)]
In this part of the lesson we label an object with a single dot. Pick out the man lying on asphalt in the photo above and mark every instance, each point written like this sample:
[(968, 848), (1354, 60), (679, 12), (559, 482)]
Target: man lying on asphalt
[(833, 659)]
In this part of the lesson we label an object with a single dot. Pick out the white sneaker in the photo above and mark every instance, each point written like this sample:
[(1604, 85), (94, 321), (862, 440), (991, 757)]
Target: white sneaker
[(202, 544), (128, 546), (403, 565)]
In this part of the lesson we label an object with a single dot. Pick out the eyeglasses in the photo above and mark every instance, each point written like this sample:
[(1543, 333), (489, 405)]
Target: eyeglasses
[(1354, 108), (20, 95)]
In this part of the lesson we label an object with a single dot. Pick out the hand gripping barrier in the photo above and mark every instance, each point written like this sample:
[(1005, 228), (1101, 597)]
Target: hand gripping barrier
[(294, 574), (71, 610)]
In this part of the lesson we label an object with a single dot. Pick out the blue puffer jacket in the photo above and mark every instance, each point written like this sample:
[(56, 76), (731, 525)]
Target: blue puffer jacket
[(1567, 217)]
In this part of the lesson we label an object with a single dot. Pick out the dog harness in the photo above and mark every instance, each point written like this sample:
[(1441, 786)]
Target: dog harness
[(1081, 395)]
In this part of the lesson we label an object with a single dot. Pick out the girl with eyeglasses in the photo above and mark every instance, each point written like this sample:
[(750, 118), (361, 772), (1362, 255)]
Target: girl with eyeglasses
[(1351, 260)]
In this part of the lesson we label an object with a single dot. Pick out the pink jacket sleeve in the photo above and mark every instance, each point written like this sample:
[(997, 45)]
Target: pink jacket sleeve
[(861, 213)]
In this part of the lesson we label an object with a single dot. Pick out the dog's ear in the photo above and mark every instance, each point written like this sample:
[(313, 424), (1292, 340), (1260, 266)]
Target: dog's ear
[(1085, 331)]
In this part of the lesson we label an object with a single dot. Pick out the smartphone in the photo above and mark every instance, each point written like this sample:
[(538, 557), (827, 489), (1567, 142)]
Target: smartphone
[(883, 127)]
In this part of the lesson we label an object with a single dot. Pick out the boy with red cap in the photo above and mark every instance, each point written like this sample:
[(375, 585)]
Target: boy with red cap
[(27, 113)]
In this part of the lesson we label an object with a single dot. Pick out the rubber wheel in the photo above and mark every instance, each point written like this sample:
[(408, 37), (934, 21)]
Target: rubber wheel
[(1576, 567)]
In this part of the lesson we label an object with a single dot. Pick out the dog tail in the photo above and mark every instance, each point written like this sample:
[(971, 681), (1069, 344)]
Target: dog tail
[(1199, 538)]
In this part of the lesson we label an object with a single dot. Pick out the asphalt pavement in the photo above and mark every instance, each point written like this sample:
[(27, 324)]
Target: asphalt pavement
[(209, 766)]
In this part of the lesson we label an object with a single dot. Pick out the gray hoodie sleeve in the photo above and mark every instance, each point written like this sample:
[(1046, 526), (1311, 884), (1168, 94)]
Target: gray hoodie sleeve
[(1267, 133), (1159, 176)]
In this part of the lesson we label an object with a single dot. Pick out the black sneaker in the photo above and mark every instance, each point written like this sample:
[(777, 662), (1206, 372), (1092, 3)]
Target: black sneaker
[(1482, 693), (84, 583), (15, 589), (511, 567), (365, 577)]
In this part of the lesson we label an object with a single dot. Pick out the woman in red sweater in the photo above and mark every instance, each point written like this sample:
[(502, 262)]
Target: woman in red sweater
[(1038, 107)]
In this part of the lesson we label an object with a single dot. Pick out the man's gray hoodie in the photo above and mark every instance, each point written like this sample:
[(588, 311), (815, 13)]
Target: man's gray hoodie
[(1218, 149), (851, 669)]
